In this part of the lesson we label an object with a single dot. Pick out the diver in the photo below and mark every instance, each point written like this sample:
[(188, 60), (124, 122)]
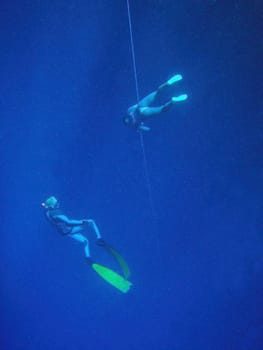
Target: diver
[(76, 229), (138, 113), (69, 227)]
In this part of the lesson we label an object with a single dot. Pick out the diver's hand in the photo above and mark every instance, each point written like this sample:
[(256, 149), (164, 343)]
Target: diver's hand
[(86, 221), (143, 127)]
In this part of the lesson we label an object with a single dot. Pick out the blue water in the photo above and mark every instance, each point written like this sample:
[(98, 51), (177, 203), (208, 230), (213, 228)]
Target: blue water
[(197, 259)]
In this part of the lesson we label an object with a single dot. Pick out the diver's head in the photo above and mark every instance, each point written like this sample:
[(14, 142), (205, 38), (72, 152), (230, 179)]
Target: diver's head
[(50, 203)]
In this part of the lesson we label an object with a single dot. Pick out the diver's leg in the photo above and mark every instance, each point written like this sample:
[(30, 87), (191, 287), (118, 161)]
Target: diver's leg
[(149, 111), (146, 112), (80, 238), (92, 223), (147, 100), (152, 111), (170, 82)]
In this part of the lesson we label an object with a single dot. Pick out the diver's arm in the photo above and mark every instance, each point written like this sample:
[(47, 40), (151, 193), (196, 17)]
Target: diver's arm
[(66, 220), (94, 226), (143, 127)]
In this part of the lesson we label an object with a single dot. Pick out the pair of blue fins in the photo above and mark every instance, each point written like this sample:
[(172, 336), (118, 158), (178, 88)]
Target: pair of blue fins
[(172, 81), (116, 280)]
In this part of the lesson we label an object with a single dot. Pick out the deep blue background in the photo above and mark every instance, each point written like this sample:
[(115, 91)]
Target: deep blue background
[(66, 80)]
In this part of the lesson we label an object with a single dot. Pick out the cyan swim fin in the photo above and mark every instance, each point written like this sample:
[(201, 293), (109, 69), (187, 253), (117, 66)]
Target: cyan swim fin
[(179, 98), (112, 278), (174, 79)]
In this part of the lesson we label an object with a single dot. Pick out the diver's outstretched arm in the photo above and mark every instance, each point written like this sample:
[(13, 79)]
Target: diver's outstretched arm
[(143, 127), (94, 226), (66, 220)]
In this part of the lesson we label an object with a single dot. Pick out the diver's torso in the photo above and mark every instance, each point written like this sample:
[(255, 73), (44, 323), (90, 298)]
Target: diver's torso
[(62, 227)]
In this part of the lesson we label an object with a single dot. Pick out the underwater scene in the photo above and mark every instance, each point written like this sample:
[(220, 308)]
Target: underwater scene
[(131, 175)]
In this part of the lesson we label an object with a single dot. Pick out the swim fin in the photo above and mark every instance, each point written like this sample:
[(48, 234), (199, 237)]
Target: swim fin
[(179, 98), (112, 278), (123, 265), (174, 79)]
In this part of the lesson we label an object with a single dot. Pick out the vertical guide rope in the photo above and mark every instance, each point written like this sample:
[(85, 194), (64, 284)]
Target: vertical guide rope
[(145, 163), (147, 177), (133, 53)]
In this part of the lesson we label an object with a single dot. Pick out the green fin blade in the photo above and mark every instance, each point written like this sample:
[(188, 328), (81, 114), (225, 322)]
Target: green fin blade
[(112, 278), (124, 266)]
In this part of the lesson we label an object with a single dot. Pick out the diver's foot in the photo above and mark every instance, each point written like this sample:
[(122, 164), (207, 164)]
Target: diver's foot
[(89, 260), (179, 98), (174, 79), (101, 242)]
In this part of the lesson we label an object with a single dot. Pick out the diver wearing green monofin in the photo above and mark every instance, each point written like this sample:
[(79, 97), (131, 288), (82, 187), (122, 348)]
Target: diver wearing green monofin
[(76, 230), (69, 227)]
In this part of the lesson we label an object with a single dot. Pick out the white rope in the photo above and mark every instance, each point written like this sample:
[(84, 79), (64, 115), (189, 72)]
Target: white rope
[(145, 163), (133, 53), (149, 187)]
